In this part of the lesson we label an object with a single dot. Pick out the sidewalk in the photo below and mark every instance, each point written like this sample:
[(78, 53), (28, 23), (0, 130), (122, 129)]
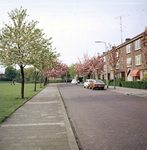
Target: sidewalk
[(40, 124), (129, 91)]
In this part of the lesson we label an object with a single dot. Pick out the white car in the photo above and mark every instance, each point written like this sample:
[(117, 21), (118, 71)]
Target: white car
[(74, 81), (88, 81)]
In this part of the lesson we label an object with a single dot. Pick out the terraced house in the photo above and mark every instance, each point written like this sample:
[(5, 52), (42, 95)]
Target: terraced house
[(130, 60)]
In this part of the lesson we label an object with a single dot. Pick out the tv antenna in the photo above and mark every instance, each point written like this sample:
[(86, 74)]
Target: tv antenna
[(120, 17)]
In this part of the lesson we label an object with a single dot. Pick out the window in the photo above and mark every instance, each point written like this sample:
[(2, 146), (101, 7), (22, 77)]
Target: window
[(129, 62), (128, 48), (138, 60), (117, 66), (117, 54), (112, 76), (137, 44)]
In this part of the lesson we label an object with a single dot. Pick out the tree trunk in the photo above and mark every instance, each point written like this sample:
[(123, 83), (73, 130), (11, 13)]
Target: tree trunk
[(88, 76), (22, 82), (35, 80), (66, 77), (41, 81), (114, 80), (45, 81), (96, 76)]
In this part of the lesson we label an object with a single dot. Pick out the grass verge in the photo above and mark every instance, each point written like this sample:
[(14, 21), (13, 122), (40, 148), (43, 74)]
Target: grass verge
[(10, 97)]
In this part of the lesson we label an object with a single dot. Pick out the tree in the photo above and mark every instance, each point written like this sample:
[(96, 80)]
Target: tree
[(97, 65), (144, 51), (28, 73), (43, 53), (87, 70), (19, 42), (89, 66), (10, 72), (144, 78), (83, 67), (71, 70), (113, 59), (56, 71)]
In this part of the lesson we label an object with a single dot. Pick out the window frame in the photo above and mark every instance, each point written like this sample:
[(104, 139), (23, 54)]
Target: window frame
[(128, 48), (138, 60), (137, 45), (129, 64), (117, 66)]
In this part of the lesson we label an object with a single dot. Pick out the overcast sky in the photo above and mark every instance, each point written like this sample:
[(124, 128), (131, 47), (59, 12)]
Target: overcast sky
[(75, 25)]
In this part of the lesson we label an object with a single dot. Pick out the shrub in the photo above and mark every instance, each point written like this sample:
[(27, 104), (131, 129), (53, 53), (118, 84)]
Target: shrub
[(118, 83), (126, 83), (132, 84), (56, 81), (5, 79), (136, 84), (144, 85), (144, 78), (110, 82), (120, 79)]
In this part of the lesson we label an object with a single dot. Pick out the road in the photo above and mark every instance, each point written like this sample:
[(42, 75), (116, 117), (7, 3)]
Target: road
[(106, 120)]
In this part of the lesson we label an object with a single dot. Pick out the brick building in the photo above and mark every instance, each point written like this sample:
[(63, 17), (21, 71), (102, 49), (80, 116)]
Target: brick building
[(130, 64)]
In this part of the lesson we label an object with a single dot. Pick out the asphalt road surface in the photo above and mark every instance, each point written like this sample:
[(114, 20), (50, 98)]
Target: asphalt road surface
[(106, 120)]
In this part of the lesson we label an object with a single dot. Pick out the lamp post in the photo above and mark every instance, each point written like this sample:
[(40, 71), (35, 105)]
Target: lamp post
[(106, 60)]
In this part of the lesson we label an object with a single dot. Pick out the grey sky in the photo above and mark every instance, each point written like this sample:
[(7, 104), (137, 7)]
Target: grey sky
[(75, 25)]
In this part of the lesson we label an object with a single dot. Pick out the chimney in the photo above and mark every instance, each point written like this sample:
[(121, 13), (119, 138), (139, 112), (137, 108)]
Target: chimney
[(127, 39)]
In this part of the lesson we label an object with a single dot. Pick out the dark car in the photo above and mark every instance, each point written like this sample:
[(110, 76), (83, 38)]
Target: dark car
[(99, 84)]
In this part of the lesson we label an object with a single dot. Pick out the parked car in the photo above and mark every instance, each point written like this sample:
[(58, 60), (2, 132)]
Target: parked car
[(86, 84), (97, 84), (74, 81)]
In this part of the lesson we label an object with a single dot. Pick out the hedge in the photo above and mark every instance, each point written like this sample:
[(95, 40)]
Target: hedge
[(5, 79), (129, 84)]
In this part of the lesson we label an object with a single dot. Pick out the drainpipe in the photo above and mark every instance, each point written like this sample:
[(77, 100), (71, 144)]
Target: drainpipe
[(132, 58)]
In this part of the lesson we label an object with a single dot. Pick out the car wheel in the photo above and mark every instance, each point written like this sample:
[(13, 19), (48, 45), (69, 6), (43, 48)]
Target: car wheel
[(102, 88), (93, 88), (87, 87), (84, 86)]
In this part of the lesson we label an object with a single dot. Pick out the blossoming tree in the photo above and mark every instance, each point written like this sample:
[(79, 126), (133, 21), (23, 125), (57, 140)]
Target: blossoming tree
[(113, 59), (97, 65), (55, 70), (144, 51), (89, 66), (21, 43)]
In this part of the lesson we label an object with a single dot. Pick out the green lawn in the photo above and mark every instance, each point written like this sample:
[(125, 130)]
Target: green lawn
[(10, 97)]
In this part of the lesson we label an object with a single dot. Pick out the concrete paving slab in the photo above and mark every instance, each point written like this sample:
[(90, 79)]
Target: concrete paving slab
[(40, 124), (129, 91)]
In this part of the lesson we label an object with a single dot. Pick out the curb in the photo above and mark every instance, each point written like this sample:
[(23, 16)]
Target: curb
[(71, 133)]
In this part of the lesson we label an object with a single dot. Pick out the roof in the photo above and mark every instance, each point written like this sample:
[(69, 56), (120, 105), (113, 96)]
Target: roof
[(127, 42)]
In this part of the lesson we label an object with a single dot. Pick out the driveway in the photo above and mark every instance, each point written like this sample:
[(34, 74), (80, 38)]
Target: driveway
[(106, 120)]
